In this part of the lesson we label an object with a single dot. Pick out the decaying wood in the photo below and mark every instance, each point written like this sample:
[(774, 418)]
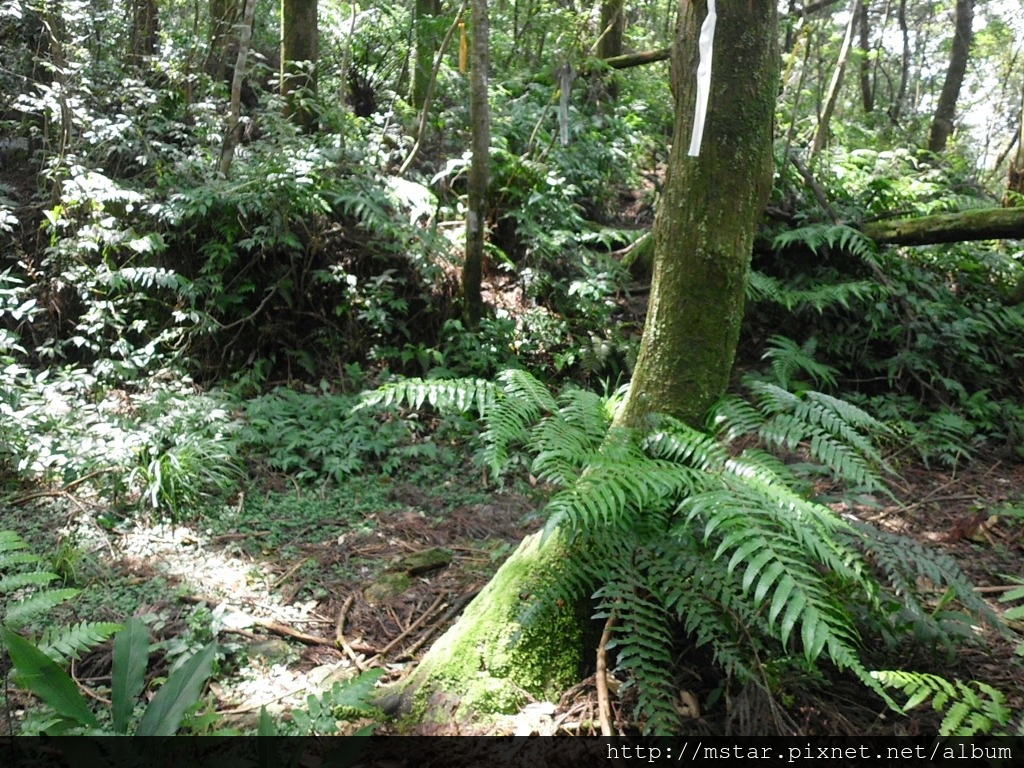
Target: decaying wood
[(963, 226)]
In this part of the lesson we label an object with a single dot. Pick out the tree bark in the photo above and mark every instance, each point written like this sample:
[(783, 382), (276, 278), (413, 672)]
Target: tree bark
[(488, 662), (706, 223), (234, 129), (867, 91), (144, 31), (425, 13), (479, 169), (300, 42), (896, 110), (223, 16), (609, 44), (1015, 173), (628, 60), (945, 109), (964, 226)]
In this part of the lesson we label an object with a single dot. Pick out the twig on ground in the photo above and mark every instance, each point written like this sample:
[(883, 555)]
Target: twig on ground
[(339, 633), (604, 707)]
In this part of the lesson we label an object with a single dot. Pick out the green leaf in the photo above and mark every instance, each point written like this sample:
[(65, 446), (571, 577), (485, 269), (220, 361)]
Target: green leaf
[(181, 691), (267, 726), (131, 657), (36, 672)]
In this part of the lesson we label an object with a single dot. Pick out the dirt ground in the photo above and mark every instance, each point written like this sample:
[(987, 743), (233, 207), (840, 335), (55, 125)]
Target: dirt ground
[(380, 597)]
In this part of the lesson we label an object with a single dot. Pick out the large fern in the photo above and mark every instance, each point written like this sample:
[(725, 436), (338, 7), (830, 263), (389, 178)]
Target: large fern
[(675, 527)]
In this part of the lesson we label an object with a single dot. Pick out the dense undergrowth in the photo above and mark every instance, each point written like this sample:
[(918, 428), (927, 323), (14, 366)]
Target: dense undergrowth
[(170, 337)]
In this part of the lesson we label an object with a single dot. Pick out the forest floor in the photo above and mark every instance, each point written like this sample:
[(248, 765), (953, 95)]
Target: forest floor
[(303, 589)]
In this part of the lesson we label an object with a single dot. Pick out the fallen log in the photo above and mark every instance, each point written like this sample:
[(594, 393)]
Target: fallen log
[(962, 226)]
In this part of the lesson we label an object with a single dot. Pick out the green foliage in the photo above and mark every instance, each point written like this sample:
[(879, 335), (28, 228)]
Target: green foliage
[(167, 446), (927, 336), (673, 527), (835, 433), (26, 598), (323, 435), (350, 700), (969, 709), (36, 672)]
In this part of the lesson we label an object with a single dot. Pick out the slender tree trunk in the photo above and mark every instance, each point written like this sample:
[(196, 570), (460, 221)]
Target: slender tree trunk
[(59, 136), (1015, 173), (425, 13), (896, 110), (945, 109), (867, 91), (300, 41), (703, 239), (234, 129), (224, 14), (479, 169), (821, 133)]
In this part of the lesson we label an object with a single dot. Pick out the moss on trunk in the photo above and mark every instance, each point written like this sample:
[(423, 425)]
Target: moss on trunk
[(704, 230), (488, 662)]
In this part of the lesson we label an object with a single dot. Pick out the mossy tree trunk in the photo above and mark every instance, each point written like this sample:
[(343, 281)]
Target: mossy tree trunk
[(703, 239), (425, 13), (711, 205), (300, 42), (488, 663)]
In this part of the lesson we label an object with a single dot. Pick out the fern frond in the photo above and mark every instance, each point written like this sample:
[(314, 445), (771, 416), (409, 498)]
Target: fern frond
[(64, 643), (837, 434), (674, 441), (524, 400), (444, 394), (36, 605), (23, 585), (816, 237), (643, 640), (819, 297), (970, 708), (905, 564), (789, 358), (16, 581), (565, 442)]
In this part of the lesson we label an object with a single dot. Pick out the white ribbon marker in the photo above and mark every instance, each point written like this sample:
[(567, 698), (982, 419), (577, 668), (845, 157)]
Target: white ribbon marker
[(700, 113)]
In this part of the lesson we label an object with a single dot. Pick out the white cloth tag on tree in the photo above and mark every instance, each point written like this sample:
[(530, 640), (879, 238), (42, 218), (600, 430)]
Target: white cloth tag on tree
[(707, 43)]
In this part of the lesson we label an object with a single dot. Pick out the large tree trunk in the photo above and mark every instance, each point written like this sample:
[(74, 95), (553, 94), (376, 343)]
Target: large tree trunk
[(703, 238), (300, 42), (705, 226), (479, 169), (945, 109)]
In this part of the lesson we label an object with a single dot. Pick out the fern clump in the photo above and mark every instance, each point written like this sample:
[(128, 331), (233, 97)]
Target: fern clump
[(677, 528)]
